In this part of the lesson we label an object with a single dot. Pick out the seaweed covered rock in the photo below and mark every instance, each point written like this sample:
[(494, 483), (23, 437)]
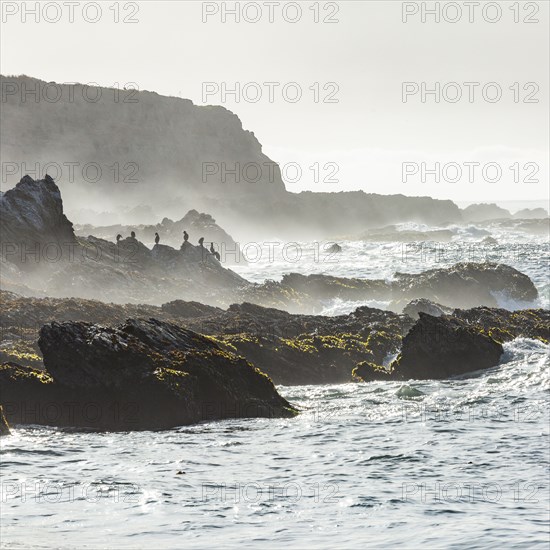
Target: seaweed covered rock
[(305, 349), (440, 347), (139, 375), (368, 372), (503, 325)]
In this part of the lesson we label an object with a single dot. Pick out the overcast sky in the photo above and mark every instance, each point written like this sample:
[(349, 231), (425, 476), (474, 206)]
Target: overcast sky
[(363, 136)]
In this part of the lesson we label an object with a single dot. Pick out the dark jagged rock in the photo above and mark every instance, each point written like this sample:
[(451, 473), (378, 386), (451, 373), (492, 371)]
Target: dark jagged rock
[(140, 375), (4, 427), (306, 349), (35, 233), (291, 349), (31, 220), (440, 347), (421, 305), (368, 372)]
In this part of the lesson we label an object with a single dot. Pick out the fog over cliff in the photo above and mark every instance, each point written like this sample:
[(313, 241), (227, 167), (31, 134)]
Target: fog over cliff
[(135, 156)]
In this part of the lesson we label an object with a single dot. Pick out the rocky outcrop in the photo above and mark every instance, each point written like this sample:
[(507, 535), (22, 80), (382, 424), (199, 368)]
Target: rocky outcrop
[(484, 211), (36, 234), (140, 375), (32, 222), (467, 285), (462, 285), (196, 224), (503, 325), (531, 214), (440, 347), (290, 348)]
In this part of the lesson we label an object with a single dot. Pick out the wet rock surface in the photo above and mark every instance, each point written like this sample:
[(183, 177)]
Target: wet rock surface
[(440, 347), (139, 375), (293, 348)]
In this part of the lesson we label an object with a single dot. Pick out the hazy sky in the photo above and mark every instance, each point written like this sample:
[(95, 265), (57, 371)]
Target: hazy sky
[(363, 59)]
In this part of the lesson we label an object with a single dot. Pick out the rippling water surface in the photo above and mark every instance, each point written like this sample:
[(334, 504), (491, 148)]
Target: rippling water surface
[(462, 463), (446, 464)]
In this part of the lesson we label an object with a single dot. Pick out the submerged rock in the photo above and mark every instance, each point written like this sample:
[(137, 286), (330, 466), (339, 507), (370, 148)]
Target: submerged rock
[(440, 347), (139, 375)]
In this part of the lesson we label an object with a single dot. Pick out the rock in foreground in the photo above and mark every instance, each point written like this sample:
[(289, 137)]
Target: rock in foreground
[(140, 375), (440, 347)]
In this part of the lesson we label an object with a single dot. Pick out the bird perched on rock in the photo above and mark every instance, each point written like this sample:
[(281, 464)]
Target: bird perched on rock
[(157, 238), (118, 237)]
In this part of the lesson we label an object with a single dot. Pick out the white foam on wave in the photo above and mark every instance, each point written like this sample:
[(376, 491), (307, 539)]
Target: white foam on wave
[(343, 307), (505, 301)]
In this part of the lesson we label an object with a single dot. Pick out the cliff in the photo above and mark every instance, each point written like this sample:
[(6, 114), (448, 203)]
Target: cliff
[(134, 148)]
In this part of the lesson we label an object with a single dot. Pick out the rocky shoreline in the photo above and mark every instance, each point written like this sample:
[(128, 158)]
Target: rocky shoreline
[(218, 353), (199, 358)]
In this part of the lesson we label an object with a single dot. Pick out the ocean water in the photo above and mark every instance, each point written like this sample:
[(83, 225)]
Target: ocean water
[(433, 464), (530, 254), (462, 463)]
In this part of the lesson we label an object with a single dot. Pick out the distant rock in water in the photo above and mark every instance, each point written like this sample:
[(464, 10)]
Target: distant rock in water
[(140, 375), (440, 347), (484, 211), (531, 214), (408, 392), (334, 249), (491, 241)]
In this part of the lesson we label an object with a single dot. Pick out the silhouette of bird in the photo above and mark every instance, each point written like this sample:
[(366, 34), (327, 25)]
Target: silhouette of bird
[(118, 237), (201, 240), (157, 238), (133, 234), (185, 236)]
